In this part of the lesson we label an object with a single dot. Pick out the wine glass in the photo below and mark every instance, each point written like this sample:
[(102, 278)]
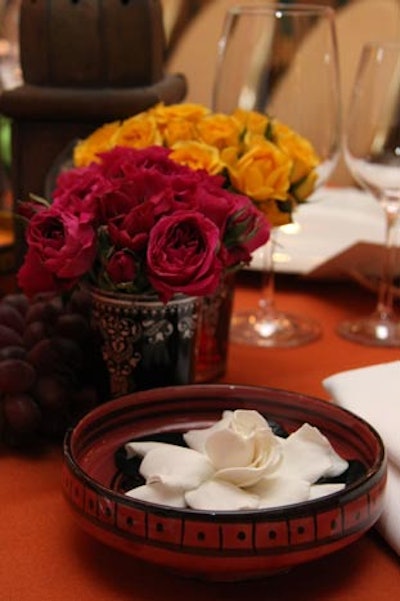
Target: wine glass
[(281, 61), (372, 152)]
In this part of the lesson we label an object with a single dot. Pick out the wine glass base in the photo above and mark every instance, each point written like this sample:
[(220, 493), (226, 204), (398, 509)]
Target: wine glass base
[(371, 331), (278, 329)]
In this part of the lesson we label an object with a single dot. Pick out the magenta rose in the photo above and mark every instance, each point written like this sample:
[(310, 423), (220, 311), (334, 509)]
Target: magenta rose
[(182, 255), (33, 277), (137, 217), (82, 186), (132, 231), (62, 248), (122, 267), (246, 230), (121, 162)]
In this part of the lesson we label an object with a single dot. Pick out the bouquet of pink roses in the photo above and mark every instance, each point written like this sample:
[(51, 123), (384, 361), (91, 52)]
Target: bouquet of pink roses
[(136, 221)]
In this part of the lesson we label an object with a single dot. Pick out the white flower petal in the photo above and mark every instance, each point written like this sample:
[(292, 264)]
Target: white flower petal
[(237, 463), (226, 448), (196, 439), (275, 491), (321, 490), (142, 448), (308, 455), (215, 495), (158, 493), (176, 466), (242, 476), (246, 421)]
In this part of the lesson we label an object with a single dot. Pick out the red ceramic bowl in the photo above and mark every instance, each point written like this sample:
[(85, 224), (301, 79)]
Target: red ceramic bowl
[(218, 545)]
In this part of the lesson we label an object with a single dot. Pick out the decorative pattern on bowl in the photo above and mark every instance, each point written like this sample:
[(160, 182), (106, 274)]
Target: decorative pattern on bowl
[(218, 545)]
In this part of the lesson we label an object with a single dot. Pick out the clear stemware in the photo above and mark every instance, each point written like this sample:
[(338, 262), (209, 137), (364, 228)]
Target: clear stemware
[(281, 61), (372, 152)]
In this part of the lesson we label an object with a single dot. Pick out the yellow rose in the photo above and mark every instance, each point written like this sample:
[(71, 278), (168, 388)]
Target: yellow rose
[(251, 139), (300, 149), (252, 121), (302, 190), (273, 213), (139, 131), (101, 140), (229, 156), (178, 130), (219, 130), (262, 173), (190, 112), (197, 155)]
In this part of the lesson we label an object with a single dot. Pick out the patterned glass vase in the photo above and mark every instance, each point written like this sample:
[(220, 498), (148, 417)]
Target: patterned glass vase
[(144, 342), (216, 313)]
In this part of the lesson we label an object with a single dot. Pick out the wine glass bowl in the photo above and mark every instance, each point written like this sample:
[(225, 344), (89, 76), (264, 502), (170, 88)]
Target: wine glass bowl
[(281, 61), (372, 153)]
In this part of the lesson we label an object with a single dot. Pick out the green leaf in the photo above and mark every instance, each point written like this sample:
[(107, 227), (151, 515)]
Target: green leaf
[(40, 200)]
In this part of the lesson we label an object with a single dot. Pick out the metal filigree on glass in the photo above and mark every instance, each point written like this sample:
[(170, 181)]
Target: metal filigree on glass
[(145, 343)]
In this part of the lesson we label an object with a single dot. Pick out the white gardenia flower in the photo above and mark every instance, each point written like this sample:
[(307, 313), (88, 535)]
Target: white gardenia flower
[(236, 464), (241, 447)]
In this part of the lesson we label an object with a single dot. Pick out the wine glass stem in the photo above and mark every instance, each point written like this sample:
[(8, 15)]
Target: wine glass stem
[(385, 293), (266, 302)]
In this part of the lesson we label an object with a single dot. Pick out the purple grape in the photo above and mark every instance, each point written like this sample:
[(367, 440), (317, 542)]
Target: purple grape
[(73, 326), (11, 317), (55, 356), (43, 311), (80, 302), (51, 394), (12, 352), (21, 413), (9, 337), (18, 301), (34, 332), (16, 375)]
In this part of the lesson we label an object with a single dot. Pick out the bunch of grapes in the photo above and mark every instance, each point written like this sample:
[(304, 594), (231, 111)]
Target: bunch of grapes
[(49, 366)]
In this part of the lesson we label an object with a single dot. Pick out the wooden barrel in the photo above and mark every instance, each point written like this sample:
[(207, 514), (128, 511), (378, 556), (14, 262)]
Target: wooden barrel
[(91, 43)]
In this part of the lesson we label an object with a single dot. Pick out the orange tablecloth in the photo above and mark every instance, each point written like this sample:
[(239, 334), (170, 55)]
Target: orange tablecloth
[(44, 556)]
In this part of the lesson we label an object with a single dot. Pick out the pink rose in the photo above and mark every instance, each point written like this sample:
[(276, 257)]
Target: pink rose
[(82, 186), (246, 230), (62, 248), (33, 277), (122, 267), (132, 231), (121, 162), (137, 217), (182, 255)]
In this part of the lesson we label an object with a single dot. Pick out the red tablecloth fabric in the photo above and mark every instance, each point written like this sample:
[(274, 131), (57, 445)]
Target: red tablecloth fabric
[(45, 557)]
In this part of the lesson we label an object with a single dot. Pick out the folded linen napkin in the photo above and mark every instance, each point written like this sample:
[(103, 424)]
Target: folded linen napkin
[(373, 393)]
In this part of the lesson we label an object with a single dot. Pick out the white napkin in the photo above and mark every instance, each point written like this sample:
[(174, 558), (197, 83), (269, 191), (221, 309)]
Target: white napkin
[(373, 393)]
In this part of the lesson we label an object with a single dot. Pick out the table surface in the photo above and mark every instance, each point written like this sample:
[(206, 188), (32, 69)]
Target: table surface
[(45, 556)]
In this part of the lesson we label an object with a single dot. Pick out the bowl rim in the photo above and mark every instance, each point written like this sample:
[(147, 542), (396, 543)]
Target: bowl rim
[(374, 473)]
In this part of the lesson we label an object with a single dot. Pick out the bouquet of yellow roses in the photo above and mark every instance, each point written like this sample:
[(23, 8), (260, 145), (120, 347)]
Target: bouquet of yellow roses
[(258, 155)]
